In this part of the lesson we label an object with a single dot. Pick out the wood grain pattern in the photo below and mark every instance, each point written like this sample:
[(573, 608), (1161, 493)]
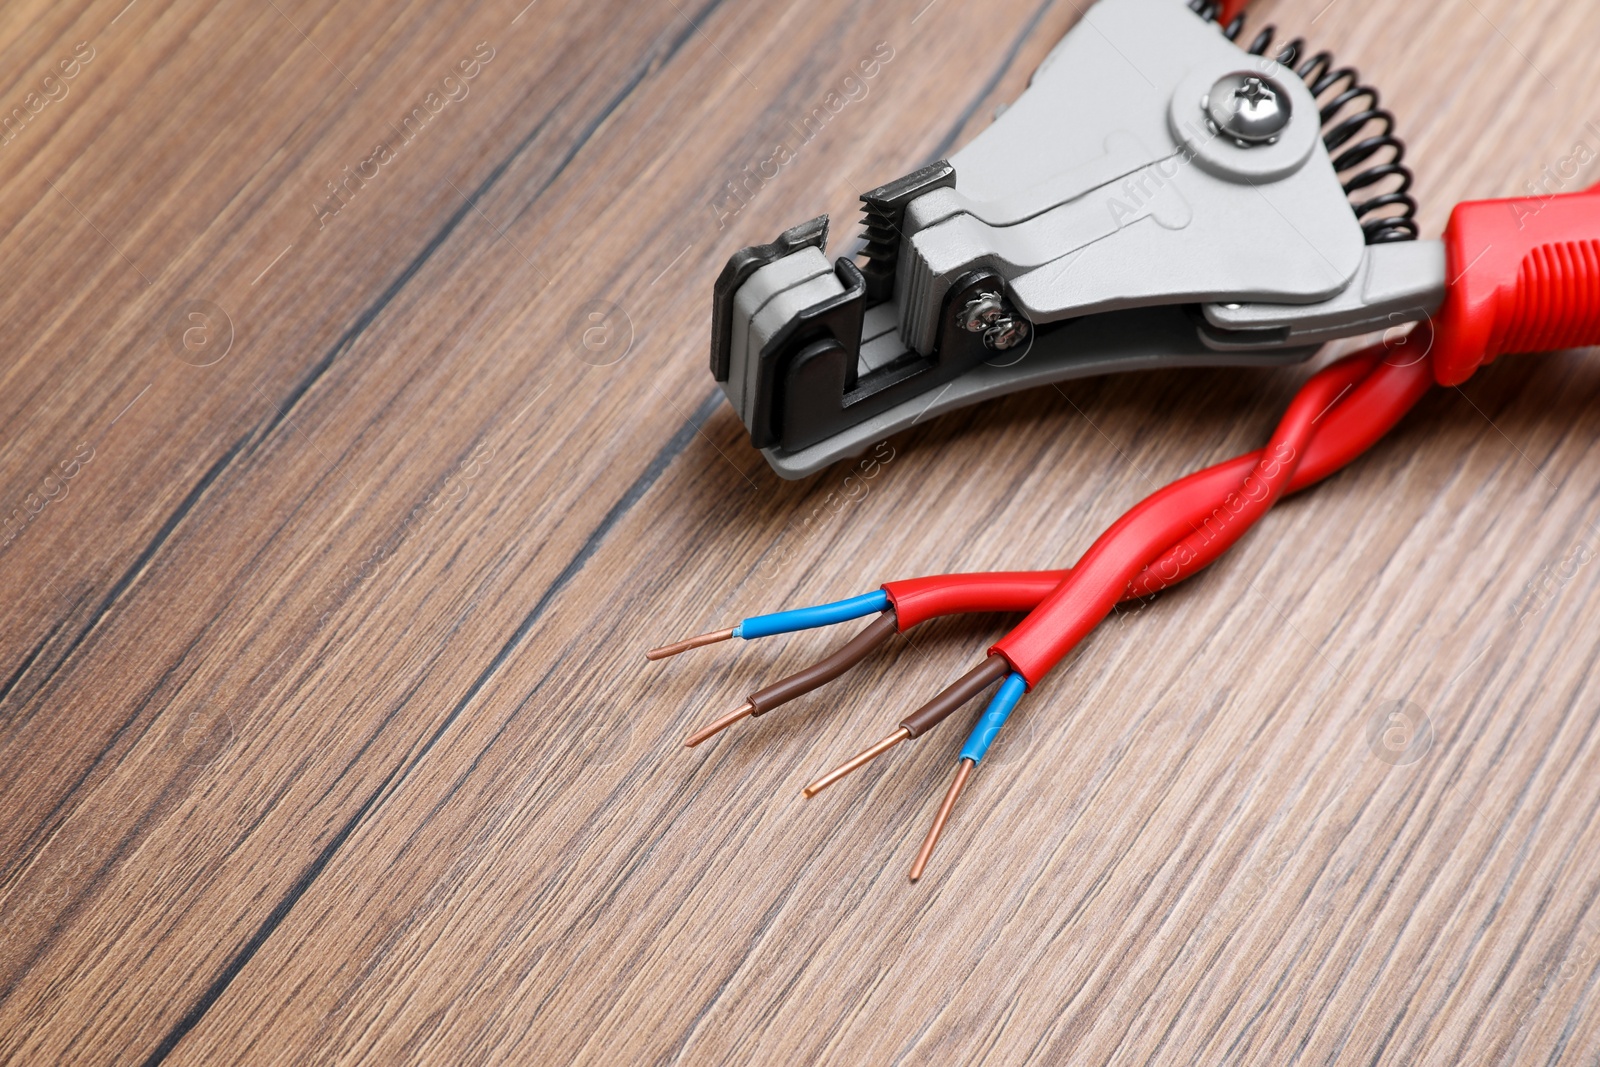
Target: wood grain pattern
[(325, 728)]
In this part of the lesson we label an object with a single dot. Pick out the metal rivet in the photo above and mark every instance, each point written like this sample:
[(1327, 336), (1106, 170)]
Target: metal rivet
[(990, 315), (1249, 108)]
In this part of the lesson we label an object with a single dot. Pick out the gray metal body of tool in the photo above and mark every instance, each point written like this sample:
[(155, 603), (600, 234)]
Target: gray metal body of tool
[(1104, 222)]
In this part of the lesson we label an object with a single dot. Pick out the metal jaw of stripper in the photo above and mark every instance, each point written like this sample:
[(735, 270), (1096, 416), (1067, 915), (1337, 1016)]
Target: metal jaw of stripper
[(1157, 197)]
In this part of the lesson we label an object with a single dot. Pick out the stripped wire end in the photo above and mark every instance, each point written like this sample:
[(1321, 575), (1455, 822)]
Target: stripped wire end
[(712, 638), (994, 716), (860, 759), (783, 622), (963, 772), (705, 733)]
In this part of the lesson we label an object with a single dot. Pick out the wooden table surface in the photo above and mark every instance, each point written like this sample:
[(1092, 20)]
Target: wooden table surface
[(331, 552)]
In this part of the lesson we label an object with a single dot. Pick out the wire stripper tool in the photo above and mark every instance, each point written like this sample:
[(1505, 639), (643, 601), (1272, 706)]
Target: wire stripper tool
[(1160, 195)]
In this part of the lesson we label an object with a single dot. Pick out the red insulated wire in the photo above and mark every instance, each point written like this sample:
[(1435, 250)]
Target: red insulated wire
[(1524, 275), (1168, 536), (1362, 410), (1222, 518), (916, 600), (1164, 522)]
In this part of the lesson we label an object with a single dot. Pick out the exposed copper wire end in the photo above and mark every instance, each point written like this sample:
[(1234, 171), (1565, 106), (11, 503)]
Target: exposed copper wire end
[(963, 771), (860, 759), (694, 642), (706, 732)]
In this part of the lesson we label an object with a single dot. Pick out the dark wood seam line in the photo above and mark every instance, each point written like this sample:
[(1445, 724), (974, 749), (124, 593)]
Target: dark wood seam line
[(298, 392), (348, 339), (1001, 71), (28, 660), (669, 452), (645, 70), (26, 849), (141, 562), (651, 474), (707, 408), (87, 887)]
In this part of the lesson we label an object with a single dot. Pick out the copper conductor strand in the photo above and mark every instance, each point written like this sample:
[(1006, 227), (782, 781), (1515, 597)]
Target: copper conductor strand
[(860, 759), (720, 725), (963, 772), (694, 642)]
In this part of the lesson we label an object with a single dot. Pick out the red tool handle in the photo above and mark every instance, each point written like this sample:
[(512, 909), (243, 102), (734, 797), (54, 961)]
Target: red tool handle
[(1524, 277)]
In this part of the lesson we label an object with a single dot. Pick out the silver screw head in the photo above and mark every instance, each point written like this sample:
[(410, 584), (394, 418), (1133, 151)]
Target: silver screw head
[(1250, 108)]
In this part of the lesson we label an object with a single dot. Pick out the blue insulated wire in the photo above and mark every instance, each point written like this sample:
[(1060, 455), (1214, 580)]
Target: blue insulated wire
[(994, 717), (783, 622)]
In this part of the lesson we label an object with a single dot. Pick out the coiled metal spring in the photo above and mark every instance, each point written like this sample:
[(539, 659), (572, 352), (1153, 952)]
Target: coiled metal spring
[(1348, 110)]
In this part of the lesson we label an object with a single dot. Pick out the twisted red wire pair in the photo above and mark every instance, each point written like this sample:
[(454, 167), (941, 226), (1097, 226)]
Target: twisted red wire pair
[(1180, 529)]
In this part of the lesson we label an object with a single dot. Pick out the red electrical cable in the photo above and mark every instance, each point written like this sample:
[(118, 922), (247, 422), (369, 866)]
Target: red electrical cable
[(1525, 274), (916, 600), (1164, 523), (1514, 287), (1171, 534), (1362, 416)]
